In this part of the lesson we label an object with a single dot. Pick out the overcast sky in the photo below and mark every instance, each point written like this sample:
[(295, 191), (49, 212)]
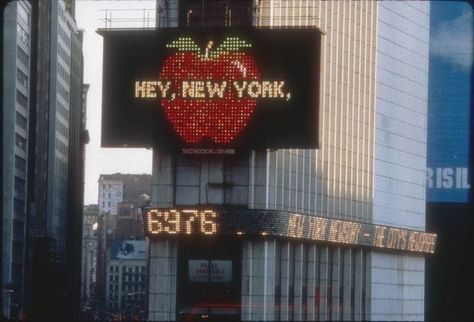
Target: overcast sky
[(98, 160)]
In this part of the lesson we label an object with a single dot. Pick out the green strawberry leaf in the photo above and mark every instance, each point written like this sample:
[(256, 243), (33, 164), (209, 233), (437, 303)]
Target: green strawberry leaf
[(184, 44), (229, 44)]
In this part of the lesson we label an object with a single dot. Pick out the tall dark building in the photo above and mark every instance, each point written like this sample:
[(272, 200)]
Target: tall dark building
[(44, 136)]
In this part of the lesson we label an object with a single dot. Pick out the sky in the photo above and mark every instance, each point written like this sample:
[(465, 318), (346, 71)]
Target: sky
[(89, 15)]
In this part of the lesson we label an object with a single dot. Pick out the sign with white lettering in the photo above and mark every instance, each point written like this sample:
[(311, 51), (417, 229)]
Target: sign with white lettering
[(221, 271), (198, 270), (215, 271)]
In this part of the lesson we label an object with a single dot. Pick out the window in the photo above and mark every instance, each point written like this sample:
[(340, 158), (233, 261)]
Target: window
[(20, 164), (62, 110), (63, 91), (20, 142), (20, 185), (21, 78), (21, 121), (62, 72), (18, 228), (21, 99), (22, 35), (23, 14), (17, 248), (61, 147), (62, 129), (18, 206), (22, 56)]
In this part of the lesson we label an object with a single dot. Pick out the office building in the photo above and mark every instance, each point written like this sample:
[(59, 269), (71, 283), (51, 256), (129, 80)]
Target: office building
[(126, 275), (17, 52), (118, 188), (120, 199), (369, 169), (43, 144)]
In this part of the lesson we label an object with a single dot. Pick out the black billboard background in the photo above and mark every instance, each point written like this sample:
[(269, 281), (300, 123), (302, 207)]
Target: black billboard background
[(292, 55)]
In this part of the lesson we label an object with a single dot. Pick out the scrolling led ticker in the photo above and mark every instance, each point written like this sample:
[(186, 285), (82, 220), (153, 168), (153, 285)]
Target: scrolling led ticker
[(206, 222)]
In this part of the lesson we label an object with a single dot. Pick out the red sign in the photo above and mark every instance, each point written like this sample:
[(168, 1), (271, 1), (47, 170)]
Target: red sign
[(206, 106)]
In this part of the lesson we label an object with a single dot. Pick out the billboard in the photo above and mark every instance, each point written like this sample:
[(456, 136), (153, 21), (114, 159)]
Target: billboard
[(449, 102), (211, 91), (206, 223)]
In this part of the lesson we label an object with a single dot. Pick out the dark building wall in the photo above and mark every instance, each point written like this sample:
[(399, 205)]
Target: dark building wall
[(449, 278), (37, 166), (77, 140), (52, 278), (215, 13)]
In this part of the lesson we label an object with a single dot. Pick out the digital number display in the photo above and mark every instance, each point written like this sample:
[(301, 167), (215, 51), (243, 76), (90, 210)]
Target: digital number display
[(185, 221), (205, 222), (211, 91)]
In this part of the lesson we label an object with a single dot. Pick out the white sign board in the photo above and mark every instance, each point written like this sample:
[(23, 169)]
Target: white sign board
[(217, 271)]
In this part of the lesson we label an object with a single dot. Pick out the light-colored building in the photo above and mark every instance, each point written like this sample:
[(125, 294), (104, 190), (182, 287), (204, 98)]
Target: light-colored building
[(126, 275), (120, 199), (370, 168), (110, 195)]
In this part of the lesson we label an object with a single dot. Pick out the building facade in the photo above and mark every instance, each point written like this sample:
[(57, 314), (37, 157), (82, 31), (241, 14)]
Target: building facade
[(120, 199), (43, 116), (370, 168), (115, 189), (15, 153), (126, 275)]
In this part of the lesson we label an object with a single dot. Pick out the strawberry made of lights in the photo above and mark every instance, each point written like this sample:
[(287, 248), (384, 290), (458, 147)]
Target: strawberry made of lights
[(204, 106)]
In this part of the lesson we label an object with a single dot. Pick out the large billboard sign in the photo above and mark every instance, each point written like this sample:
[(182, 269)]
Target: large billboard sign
[(211, 90), (197, 222), (449, 102)]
